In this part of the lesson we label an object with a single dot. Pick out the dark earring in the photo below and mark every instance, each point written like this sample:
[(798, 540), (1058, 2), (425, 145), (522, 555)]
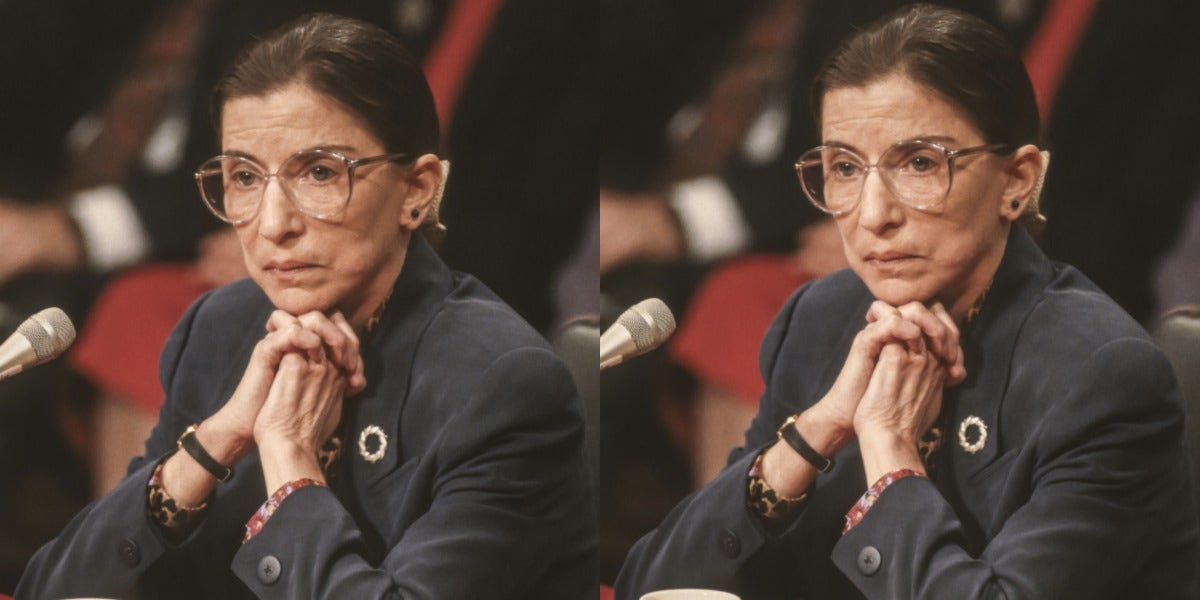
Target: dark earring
[(1016, 204), (415, 213)]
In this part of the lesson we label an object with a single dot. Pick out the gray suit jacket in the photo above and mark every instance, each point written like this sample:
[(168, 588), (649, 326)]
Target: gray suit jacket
[(481, 493), (1080, 490)]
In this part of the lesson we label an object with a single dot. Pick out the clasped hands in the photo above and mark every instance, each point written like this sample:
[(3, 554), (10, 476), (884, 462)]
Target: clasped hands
[(289, 401), (891, 383), (887, 395)]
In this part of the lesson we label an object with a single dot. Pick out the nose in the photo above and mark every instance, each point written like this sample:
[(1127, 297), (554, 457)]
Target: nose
[(278, 218), (878, 209)]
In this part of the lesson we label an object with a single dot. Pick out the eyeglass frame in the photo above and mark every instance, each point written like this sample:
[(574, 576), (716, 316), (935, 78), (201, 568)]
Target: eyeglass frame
[(950, 156), (351, 164)]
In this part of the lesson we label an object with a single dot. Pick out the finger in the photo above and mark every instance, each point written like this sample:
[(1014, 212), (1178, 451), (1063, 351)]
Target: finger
[(931, 327), (290, 338), (279, 319), (342, 343), (891, 328), (880, 309), (321, 402), (931, 395), (356, 381), (329, 334), (353, 346), (878, 405), (286, 385), (953, 336), (956, 371)]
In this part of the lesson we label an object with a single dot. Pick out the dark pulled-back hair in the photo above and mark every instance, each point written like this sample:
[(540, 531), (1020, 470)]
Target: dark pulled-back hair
[(953, 53), (358, 64)]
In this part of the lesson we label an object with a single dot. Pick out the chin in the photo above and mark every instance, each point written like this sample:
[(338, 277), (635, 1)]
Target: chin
[(295, 301), (898, 292)]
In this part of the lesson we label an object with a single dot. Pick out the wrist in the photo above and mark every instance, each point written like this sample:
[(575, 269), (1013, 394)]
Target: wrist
[(223, 442), (63, 250), (284, 460), (825, 433), (663, 240), (884, 451)]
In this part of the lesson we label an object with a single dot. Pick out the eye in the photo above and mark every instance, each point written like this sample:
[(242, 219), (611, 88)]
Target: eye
[(317, 169), (921, 164), (245, 178), (845, 169), (321, 173)]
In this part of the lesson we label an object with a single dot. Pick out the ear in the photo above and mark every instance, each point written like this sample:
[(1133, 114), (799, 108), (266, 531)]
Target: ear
[(424, 179), (1022, 173)]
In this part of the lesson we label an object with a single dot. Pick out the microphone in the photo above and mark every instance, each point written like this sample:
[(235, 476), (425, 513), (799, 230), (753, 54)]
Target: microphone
[(640, 329), (40, 338)]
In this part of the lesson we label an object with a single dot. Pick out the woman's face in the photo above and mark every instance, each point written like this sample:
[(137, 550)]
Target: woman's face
[(948, 253), (348, 262)]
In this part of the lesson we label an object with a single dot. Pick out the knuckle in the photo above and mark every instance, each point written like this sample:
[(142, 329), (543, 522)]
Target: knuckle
[(882, 306), (292, 360), (311, 318)]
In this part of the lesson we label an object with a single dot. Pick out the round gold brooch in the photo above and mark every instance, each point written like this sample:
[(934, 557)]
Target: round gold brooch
[(972, 434), (372, 443)]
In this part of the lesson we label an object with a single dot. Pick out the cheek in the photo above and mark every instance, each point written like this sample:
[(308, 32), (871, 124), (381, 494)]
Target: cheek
[(246, 240)]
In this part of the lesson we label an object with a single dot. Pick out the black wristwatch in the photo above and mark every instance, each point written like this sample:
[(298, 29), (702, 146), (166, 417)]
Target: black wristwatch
[(191, 445), (791, 435)]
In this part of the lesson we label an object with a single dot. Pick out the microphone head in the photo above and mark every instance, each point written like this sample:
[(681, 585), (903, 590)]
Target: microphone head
[(649, 322), (50, 332)]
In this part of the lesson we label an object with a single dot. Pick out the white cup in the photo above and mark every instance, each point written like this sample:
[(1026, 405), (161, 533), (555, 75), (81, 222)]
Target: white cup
[(689, 594)]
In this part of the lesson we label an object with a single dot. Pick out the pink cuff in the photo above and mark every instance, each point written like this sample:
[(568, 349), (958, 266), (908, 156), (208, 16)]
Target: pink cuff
[(860, 508), (264, 512)]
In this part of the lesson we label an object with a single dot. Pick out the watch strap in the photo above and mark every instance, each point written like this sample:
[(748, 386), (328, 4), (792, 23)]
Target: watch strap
[(188, 443), (791, 435)]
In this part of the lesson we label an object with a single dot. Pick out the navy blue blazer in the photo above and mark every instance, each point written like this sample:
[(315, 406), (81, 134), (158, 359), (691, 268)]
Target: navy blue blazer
[(1079, 491), (481, 492)]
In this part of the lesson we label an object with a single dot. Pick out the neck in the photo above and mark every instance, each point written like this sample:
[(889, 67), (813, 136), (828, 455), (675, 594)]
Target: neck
[(970, 300), (371, 305)]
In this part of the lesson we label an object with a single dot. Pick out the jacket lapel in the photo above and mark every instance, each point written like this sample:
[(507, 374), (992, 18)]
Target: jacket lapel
[(388, 354), (974, 406)]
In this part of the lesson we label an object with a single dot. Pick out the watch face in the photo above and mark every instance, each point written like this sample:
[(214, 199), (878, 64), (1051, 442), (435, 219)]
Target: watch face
[(786, 423)]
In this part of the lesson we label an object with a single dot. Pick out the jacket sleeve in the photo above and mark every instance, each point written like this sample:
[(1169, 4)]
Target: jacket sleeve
[(1108, 483), (509, 498), (111, 544), (710, 536)]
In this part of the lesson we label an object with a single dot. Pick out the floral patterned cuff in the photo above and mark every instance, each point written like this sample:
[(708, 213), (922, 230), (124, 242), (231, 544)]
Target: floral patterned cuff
[(860, 508), (268, 508)]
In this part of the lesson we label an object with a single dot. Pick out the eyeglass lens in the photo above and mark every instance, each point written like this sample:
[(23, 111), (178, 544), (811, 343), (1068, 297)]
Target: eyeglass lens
[(317, 182), (918, 173)]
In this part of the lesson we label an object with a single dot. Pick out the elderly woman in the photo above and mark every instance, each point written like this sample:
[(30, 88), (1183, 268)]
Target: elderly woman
[(397, 432), (955, 416)]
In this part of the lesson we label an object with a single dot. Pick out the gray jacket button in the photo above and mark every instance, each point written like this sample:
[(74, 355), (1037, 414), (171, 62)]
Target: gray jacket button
[(729, 543), (869, 561), (130, 553), (269, 569)]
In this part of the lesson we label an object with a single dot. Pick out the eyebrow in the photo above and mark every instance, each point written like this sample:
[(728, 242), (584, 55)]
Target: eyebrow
[(341, 148), (944, 139)]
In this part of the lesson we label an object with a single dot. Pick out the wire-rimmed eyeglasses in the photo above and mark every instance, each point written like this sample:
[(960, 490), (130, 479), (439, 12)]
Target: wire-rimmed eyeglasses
[(918, 172), (318, 182)]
